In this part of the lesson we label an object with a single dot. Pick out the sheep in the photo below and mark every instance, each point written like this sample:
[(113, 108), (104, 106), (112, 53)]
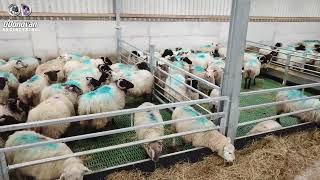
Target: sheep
[(12, 81), (136, 56), (81, 76), (4, 90), (67, 169), (192, 94), (214, 105), (264, 127), (13, 112), (200, 59), (309, 116), (153, 149), (52, 66), (120, 67), (205, 74), (251, 70), (62, 88), (22, 67), (166, 53), (105, 78), (179, 62), (84, 64), (30, 91), (142, 80), (104, 99), (211, 139), (57, 106), (175, 89), (160, 75), (217, 67)]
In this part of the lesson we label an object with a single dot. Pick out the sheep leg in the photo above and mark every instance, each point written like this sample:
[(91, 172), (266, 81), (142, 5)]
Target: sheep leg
[(245, 83), (278, 119), (254, 81), (249, 83)]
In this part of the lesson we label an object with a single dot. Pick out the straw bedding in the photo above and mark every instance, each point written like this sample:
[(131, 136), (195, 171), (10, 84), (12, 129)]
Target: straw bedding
[(269, 158)]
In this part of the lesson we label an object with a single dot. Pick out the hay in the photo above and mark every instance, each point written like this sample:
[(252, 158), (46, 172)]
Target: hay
[(270, 158)]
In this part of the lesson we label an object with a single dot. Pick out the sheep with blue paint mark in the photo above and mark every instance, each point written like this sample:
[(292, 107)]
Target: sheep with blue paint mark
[(175, 89), (12, 81), (201, 59), (62, 88), (179, 62), (309, 116), (104, 99), (153, 149), (67, 169), (22, 67), (57, 106), (212, 139), (251, 70), (74, 65), (205, 74), (216, 67), (30, 91), (82, 75)]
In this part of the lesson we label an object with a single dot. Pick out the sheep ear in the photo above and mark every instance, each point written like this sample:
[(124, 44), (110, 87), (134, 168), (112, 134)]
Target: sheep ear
[(107, 61), (187, 60)]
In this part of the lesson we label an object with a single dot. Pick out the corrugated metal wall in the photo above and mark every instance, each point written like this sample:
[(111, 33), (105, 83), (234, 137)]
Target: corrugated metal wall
[(271, 8)]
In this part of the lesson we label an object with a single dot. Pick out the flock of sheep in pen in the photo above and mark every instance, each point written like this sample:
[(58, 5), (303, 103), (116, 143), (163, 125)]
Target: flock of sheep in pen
[(73, 84)]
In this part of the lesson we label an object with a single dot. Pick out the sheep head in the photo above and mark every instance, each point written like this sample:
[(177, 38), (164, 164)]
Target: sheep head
[(143, 66), (19, 64), (227, 152), (124, 84), (52, 75), (75, 171), (154, 150)]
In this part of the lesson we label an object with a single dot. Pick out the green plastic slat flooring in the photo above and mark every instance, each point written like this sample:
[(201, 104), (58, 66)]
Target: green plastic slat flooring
[(134, 153)]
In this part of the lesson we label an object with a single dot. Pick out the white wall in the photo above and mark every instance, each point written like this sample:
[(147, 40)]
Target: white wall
[(98, 37)]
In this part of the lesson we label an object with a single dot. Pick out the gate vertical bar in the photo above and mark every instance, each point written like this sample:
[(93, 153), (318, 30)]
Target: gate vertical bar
[(4, 174), (232, 76), (152, 61), (286, 70), (117, 10)]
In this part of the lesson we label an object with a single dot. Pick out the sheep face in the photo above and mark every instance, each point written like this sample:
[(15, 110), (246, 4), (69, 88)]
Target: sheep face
[(19, 64), (52, 75), (209, 76), (3, 82), (167, 52), (74, 172), (104, 68), (74, 89), (154, 150), (143, 66), (228, 152), (124, 84), (106, 60)]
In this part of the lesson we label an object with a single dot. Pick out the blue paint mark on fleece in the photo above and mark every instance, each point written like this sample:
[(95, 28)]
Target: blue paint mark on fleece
[(192, 112), (8, 75), (106, 91), (15, 58), (294, 94), (33, 79), (201, 56), (73, 82), (152, 117), (82, 73), (198, 69), (34, 138), (87, 62), (177, 80), (2, 62)]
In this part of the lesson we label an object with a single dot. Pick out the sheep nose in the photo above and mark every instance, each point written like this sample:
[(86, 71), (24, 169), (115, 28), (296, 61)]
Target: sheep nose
[(227, 164)]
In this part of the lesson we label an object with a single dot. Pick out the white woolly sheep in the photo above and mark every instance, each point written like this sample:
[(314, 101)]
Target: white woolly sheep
[(205, 74), (57, 106), (217, 67), (67, 169), (265, 126), (309, 116), (192, 94), (22, 67), (175, 89), (104, 99), (200, 59), (251, 70), (210, 139), (4, 90), (153, 149), (180, 62), (214, 105), (52, 66), (30, 91)]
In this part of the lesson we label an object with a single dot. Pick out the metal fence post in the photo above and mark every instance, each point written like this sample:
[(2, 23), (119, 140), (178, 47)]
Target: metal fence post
[(232, 76), (152, 60), (223, 121), (4, 174), (117, 11), (286, 70)]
